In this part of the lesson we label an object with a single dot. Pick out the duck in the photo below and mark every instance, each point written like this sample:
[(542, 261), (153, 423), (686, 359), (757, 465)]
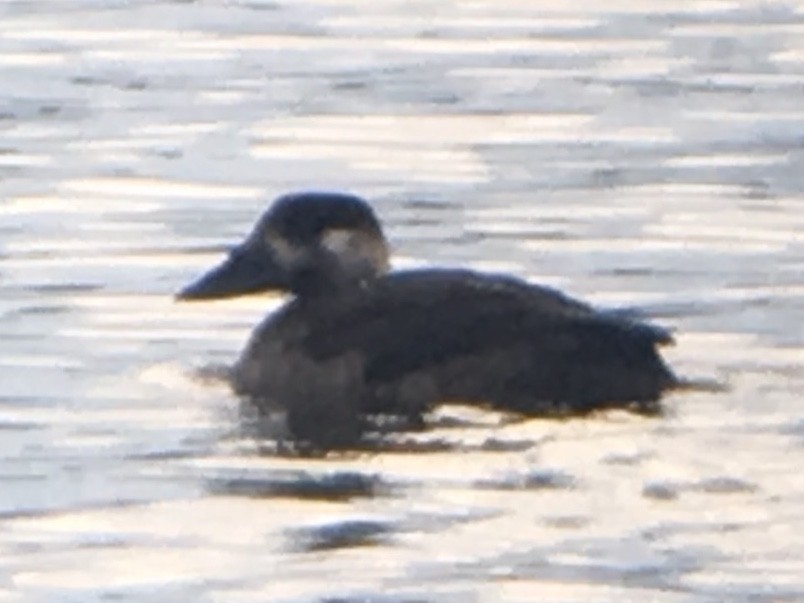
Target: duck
[(356, 339)]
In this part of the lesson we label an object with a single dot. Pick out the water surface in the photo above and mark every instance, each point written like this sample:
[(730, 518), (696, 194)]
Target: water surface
[(639, 154)]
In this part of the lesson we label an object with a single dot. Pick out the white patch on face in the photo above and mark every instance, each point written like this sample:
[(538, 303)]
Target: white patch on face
[(287, 253), (340, 242), (358, 249)]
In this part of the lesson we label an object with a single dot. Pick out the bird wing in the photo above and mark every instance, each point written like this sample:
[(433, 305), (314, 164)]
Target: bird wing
[(419, 319)]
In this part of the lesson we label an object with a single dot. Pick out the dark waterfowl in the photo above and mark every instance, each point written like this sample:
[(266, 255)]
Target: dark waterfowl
[(356, 340)]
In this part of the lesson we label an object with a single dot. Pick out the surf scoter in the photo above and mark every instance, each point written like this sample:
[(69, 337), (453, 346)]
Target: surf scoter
[(356, 340)]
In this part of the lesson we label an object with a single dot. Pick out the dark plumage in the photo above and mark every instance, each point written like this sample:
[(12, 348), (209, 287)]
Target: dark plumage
[(356, 340)]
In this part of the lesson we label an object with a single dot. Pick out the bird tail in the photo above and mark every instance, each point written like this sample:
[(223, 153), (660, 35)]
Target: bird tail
[(699, 385)]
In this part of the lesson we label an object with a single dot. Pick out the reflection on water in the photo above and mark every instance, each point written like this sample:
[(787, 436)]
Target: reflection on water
[(634, 154)]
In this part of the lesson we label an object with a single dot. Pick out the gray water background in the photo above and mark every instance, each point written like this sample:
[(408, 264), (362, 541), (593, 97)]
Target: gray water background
[(646, 154)]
